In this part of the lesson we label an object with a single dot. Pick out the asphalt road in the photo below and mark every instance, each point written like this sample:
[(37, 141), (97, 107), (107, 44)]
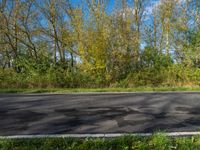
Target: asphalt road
[(25, 114)]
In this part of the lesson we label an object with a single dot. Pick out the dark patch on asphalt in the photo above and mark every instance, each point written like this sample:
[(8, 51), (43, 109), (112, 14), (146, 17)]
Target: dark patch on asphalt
[(65, 125), (92, 115), (25, 115), (161, 115), (190, 110), (163, 127), (193, 121), (18, 120)]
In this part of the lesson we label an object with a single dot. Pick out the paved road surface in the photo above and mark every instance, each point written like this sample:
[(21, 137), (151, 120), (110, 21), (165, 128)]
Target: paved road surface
[(22, 114)]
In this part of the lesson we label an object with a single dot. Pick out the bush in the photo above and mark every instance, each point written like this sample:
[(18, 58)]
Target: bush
[(56, 77), (174, 75)]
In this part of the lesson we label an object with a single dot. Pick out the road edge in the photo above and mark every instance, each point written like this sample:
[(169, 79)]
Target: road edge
[(109, 135)]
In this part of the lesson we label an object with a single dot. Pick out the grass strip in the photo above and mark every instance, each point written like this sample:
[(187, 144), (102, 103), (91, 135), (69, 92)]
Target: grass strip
[(157, 141), (82, 90)]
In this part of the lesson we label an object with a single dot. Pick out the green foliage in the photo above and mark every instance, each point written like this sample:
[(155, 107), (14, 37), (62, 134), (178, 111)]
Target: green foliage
[(55, 77), (30, 74), (159, 141), (156, 142), (66, 49), (191, 50)]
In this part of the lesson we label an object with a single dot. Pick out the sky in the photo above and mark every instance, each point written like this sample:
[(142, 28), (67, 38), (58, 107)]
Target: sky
[(150, 4)]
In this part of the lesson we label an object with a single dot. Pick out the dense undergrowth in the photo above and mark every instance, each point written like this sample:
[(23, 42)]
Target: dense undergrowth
[(172, 76)]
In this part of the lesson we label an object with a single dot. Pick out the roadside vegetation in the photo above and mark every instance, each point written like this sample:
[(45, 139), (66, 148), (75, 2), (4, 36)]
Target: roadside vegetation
[(98, 90), (99, 44), (154, 142)]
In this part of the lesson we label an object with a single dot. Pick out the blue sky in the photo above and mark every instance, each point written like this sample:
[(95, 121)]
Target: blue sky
[(149, 3)]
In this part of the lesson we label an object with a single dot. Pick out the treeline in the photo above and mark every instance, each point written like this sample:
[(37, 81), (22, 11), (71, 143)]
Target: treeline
[(95, 43)]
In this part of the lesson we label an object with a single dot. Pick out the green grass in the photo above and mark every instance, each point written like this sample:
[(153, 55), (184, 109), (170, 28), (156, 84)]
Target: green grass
[(75, 90), (155, 142)]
